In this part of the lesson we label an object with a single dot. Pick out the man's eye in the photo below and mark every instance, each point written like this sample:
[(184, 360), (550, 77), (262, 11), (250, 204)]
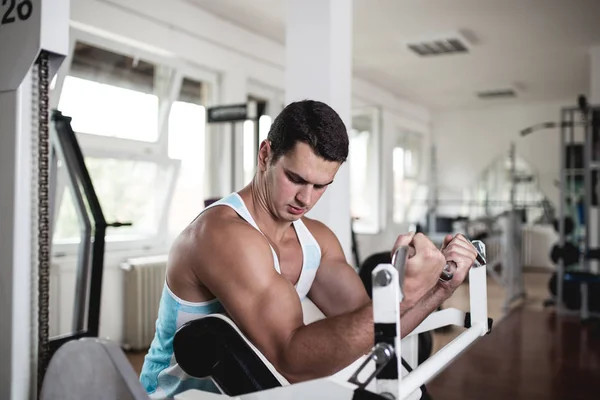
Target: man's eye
[(294, 180)]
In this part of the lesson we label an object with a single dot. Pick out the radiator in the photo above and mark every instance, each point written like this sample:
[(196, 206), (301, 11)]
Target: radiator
[(143, 281)]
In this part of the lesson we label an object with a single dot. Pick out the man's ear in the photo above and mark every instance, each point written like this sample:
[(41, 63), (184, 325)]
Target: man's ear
[(264, 155)]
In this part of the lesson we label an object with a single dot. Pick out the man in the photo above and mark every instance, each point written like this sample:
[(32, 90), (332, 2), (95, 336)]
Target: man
[(255, 256)]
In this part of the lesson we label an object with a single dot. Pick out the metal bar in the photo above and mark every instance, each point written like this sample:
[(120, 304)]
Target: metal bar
[(561, 210), (478, 296), (62, 147), (440, 360), (387, 295), (233, 156), (89, 279), (588, 184), (439, 319), (97, 265)]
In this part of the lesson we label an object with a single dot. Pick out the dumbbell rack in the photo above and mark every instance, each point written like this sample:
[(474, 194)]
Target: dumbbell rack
[(576, 167)]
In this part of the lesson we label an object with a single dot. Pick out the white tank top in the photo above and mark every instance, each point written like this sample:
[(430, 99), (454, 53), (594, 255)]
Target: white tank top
[(311, 251)]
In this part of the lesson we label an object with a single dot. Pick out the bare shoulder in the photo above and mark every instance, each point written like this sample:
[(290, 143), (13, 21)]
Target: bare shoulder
[(221, 237)]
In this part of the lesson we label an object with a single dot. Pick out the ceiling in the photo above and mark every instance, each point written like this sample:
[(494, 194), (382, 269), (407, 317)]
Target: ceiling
[(538, 48)]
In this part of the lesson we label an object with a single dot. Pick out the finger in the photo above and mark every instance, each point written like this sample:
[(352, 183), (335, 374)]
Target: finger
[(447, 240), (462, 242), (460, 257), (404, 241), (423, 242)]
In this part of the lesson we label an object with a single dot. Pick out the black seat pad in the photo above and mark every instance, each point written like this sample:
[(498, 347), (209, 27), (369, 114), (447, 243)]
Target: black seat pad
[(212, 347)]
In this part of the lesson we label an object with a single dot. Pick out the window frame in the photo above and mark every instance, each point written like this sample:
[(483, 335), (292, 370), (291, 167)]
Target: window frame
[(129, 149), (418, 177), (376, 224)]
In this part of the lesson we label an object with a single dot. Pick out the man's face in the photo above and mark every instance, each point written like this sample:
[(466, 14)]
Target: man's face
[(297, 180)]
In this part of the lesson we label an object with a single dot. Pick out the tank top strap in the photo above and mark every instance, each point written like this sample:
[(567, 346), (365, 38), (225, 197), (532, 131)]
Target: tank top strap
[(235, 202), (311, 252)]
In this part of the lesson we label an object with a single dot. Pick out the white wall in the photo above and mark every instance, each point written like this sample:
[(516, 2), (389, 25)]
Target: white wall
[(177, 29), (469, 140)]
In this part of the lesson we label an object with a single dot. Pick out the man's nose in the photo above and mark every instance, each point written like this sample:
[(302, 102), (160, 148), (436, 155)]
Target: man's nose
[(304, 195)]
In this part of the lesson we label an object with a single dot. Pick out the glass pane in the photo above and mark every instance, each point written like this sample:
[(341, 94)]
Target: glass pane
[(359, 157), (129, 191), (250, 150), (264, 125), (63, 275), (187, 123), (398, 169), (67, 226), (111, 94)]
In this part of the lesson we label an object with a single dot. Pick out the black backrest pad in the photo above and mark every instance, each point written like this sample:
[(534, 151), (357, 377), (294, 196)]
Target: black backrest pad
[(210, 346)]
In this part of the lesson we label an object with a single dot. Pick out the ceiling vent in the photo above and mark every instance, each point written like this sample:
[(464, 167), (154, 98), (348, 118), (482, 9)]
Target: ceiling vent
[(497, 94), (440, 45)]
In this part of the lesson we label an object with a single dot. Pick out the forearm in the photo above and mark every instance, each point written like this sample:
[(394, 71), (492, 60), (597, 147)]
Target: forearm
[(329, 345), (413, 317)]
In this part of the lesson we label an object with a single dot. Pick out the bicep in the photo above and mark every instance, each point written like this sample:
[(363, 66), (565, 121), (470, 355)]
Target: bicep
[(259, 300), (337, 288)]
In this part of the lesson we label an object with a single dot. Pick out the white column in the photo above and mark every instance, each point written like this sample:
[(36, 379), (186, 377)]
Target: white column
[(319, 67), (16, 236), (219, 155)]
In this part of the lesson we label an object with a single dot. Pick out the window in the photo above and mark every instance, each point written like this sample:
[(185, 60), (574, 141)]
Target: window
[(406, 161), (187, 123), (110, 95), (129, 191), (251, 142), (140, 122), (364, 160), (114, 102)]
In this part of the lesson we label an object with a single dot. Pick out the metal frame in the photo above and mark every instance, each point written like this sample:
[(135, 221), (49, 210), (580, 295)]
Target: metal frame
[(385, 379), (568, 137), (88, 290)]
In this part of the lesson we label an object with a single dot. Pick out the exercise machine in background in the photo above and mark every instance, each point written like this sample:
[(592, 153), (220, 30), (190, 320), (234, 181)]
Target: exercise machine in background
[(502, 233), (233, 114), (578, 250)]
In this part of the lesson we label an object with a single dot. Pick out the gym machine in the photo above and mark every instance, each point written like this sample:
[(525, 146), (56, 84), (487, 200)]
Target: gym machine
[(34, 41), (509, 238), (510, 259), (578, 250), (233, 114), (213, 347)]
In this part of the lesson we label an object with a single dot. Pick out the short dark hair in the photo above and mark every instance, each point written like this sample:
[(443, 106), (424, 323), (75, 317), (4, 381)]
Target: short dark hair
[(314, 123)]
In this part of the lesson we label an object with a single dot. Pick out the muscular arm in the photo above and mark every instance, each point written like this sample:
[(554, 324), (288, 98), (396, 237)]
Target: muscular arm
[(238, 269), (413, 317), (337, 289)]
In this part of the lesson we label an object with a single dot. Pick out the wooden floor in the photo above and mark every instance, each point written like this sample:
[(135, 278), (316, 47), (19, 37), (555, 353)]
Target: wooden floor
[(530, 354)]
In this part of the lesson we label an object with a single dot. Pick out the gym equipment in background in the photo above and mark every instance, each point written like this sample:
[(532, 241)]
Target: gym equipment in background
[(232, 114), (579, 217)]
